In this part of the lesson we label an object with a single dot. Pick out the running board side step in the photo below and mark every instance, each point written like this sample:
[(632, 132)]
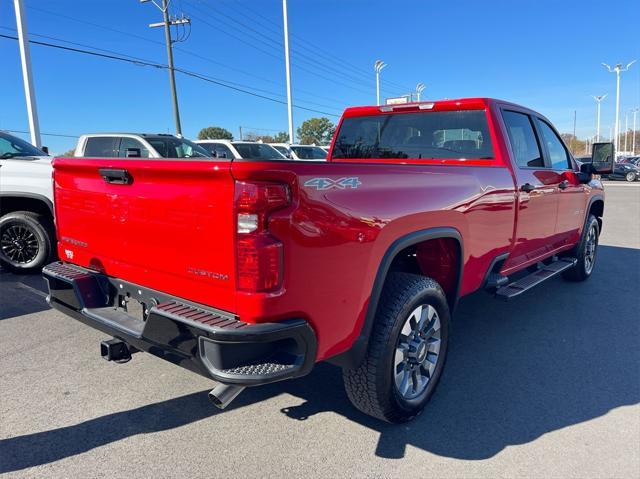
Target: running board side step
[(534, 279)]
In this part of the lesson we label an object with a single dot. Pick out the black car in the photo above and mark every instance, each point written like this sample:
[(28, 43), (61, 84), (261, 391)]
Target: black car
[(625, 171)]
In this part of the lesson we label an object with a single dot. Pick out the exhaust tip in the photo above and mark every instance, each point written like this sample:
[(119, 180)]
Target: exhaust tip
[(222, 395)]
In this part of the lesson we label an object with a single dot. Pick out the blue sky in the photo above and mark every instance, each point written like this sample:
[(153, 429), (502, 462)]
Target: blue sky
[(544, 54)]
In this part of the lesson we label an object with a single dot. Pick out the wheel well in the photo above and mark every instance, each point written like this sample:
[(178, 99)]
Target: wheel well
[(437, 258), (597, 209), (8, 204)]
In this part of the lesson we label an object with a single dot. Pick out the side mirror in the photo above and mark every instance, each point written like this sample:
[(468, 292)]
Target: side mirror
[(132, 153), (45, 149), (602, 158)]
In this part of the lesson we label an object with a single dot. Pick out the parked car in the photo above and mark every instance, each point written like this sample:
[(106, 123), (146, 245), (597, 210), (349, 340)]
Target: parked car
[(137, 145), (634, 160), (249, 272), (627, 171), (27, 235), (237, 150), (301, 152)]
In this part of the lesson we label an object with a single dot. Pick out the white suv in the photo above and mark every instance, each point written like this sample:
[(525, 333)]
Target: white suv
[(238, 150), (137, 145), (27, 234), (301, 152)]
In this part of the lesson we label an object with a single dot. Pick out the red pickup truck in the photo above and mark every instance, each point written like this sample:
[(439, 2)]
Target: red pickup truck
[(250, 272)]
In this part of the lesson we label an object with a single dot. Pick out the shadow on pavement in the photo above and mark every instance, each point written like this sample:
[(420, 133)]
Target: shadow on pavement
[(564, 354), (21, 294)]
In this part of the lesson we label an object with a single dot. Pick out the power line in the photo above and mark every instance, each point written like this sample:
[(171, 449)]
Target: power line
[(161, 66), (143, 60), (43, 134), (218, 29), (314, 62), (315, 49), (181, 49)]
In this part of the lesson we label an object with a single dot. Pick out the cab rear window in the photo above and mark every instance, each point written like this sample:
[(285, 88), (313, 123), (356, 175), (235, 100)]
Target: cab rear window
[(421, 135)]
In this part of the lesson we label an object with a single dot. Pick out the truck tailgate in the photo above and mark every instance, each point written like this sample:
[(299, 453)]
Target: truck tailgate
[(164, 224)]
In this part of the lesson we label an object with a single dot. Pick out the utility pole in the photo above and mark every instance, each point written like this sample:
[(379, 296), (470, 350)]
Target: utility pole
[(617, 69), (285, 19), (635, 112), (377, 67), (27, 76), (167, 23), (240, 133), (419, 89), (598, 99)]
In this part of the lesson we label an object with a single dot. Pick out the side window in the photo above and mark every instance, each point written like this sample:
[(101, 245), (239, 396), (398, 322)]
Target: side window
[(223, 152), (557, 152), (126, 143), (523, 140), (101, 146)]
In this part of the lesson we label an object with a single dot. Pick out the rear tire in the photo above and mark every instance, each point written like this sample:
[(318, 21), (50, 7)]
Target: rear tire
[(585, 251), (630, 177), (406, 352), (27, 241)]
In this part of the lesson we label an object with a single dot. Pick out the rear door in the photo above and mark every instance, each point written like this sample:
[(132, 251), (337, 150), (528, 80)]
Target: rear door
[(536, 185), (572, 195), (164, 224)]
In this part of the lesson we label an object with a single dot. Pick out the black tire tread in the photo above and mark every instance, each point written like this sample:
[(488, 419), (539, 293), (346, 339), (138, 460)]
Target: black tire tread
[(577, 273), (361, 383), (50, 237)]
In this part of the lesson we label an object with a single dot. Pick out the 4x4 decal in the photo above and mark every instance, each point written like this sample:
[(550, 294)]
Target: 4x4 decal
[(328, 183)]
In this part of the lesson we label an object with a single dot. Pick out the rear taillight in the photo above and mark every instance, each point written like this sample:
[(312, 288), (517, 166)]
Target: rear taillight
[(259, 253)]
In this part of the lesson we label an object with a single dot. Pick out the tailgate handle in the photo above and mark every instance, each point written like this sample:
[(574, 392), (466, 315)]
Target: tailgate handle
[(116, 176)]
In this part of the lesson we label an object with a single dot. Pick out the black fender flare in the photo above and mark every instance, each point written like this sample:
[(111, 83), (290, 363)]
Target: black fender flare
[(32, 196), (592, 200), (355, 354)]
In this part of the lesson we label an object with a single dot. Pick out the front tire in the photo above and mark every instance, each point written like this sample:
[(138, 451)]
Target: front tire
[(585, 251), (27, 241), (406, 352), (630, 177)]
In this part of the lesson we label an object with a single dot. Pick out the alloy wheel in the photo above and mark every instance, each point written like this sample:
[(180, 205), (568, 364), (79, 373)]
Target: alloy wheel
[(417, 351), (19, 244)]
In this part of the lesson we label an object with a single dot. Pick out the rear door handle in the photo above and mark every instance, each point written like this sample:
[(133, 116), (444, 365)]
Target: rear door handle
[(116, 176), (564, 185), (527, 188)]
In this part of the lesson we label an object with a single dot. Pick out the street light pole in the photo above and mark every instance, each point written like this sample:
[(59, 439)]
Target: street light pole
[(598, 99), (618, 69), (633, 142), (27, 76), (626, 129), (378, 66), (419, 89), (287, 68)]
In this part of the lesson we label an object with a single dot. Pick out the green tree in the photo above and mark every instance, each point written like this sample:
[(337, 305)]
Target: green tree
[(215, 133), (316, 130), (281, 137), (69, 153)]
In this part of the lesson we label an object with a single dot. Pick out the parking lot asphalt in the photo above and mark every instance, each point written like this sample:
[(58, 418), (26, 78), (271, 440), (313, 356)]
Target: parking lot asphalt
[(547, 385)]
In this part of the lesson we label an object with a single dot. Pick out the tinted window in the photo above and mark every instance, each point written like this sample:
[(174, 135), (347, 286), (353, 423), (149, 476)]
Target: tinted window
[(126, 143), (523, 139), (12, 147), (445, 134), (101, 146), (309, 152), (557, 152), (172, 147), (283, 151), (257, 151), (217, 150)]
